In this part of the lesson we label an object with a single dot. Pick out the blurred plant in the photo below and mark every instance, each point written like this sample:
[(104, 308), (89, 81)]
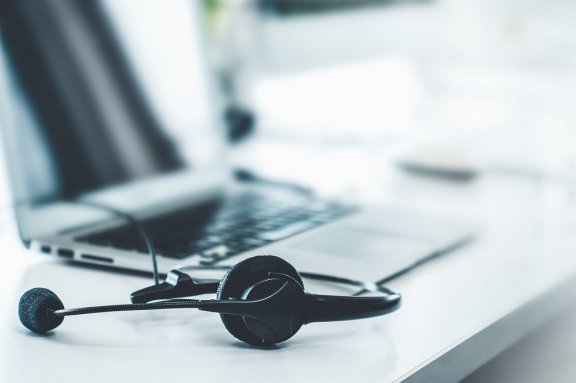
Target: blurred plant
[(211, 10)]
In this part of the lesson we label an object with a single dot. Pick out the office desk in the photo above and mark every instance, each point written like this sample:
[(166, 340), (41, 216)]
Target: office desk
[(459, 310)]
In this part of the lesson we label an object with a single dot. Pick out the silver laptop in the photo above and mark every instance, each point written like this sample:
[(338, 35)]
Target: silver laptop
[(112, 101)]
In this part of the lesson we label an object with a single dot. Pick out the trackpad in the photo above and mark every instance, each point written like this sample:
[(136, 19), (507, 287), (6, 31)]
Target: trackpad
[(378, 253)]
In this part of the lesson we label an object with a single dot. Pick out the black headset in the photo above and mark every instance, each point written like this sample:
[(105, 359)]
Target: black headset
[(261, 301)]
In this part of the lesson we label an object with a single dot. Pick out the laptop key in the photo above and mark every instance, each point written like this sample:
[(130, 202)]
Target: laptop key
[(286, 231), (216, 252)]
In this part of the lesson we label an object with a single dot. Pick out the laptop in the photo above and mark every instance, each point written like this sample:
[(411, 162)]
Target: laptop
[(114, 102)]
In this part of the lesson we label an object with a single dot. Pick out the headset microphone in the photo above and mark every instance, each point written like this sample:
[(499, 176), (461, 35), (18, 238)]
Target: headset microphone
[(261, 301), (36, 310), (40, 310)]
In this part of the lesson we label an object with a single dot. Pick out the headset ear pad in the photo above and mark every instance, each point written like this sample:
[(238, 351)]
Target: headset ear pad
[(243, 276)]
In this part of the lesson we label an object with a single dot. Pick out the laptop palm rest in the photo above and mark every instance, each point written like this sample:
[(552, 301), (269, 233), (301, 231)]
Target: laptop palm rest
[(367, 254)]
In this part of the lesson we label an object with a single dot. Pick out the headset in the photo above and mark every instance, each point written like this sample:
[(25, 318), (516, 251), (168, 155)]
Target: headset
[(261, 300)]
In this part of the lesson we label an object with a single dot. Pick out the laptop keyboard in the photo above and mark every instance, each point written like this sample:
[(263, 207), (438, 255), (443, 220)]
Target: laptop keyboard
[(216, 230)]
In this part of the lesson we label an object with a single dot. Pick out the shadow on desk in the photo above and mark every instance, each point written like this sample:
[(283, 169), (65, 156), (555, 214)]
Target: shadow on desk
[(546, 355)]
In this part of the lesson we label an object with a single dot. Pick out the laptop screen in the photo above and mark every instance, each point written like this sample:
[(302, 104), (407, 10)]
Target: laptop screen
[(101, 93)]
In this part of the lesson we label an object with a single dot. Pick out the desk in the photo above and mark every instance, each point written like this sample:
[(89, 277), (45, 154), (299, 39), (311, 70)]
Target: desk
[(459, 311)]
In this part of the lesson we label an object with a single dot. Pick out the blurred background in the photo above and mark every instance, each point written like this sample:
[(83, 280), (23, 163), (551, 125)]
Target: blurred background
[(478, 86), (339, 94)]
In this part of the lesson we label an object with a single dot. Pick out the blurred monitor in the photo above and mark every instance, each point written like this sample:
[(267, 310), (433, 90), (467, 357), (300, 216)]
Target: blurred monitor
[(98, 93)]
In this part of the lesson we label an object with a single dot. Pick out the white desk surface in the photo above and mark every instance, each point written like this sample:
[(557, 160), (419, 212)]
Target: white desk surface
[(458, 312)]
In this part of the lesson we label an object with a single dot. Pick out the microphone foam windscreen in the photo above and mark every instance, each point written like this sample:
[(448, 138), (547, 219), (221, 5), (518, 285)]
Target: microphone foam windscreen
[(36, 308)]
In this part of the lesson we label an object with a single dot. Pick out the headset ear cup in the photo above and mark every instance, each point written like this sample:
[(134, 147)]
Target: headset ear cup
[(241, 277)]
